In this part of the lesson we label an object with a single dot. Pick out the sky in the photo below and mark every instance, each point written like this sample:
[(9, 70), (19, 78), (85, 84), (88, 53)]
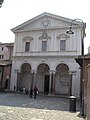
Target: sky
[(15, 12)]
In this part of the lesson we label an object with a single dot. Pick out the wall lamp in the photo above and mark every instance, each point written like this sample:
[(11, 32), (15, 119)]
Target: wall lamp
[(70, 31)]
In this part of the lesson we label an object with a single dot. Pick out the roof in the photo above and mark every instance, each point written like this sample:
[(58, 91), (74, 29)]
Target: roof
[(80, 58), (7, 44), (5, 63), (10, 45)]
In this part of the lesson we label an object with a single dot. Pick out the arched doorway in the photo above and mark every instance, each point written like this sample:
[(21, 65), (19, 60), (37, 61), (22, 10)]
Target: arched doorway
[(43, 78), (24, 77), (62, 79)]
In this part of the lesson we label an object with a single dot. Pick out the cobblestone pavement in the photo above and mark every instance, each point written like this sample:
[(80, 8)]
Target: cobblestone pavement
[(21, 107)]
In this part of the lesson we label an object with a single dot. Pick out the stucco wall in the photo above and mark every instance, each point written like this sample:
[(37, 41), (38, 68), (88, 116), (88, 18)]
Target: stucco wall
[(53, 56)]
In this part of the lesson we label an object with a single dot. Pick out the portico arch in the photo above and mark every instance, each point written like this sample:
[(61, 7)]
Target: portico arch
[(24, 77), (62, 79), (43, 78)]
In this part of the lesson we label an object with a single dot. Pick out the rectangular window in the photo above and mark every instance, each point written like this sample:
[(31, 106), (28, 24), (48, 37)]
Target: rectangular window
[(44, 45), (62, 45), (27, 46)]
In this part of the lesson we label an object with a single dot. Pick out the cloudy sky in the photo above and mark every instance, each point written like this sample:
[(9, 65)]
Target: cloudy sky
[(15, 12)]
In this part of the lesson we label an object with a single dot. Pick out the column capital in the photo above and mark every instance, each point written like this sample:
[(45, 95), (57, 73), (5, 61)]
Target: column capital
[(72, 72), (54, 72), (19, 71), (34, 71), (50, 71), (31, 71)]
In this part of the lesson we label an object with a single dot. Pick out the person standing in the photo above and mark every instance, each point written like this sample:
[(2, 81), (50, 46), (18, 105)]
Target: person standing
[(24, 89), (35, 92), (31, 92)]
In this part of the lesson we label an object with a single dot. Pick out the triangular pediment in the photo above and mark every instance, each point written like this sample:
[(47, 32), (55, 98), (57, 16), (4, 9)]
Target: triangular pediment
[(45, 20)]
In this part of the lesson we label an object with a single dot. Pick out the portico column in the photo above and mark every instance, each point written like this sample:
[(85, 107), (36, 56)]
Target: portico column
[(70, 83), (53, 83), (74, 86), (18, 79), (15, 80), (50, 82), (34, 78)]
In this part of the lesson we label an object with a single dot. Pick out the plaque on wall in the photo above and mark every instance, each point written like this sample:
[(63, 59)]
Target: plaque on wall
[(64, 81)]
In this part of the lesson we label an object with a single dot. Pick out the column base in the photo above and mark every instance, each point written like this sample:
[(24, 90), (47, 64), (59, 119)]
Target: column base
[(51, 94)]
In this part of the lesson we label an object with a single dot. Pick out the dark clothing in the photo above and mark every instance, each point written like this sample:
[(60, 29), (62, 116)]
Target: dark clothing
[(21, 89), (31, 93), (35, 92), (14, 88), (26, 92)]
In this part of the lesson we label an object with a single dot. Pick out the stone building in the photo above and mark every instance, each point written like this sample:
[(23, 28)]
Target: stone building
[(44, 55), (84, 62), (6, 51)]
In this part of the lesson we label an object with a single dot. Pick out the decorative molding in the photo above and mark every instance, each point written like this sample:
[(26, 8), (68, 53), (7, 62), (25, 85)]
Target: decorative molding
[(46, 22), (62, 36), (27, 38), (44, 36)]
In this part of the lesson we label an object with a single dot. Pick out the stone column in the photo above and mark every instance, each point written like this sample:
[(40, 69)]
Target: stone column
[(34, 78), (50, 80), (53, 83), (32, 81), (15, 80), (70, 83), (74, 86), (18, 79)]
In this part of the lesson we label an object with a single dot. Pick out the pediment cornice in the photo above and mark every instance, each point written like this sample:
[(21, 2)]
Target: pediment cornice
[(44, 15), (48, 28)]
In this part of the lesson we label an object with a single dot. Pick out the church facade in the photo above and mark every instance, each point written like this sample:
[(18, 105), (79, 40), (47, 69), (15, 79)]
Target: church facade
[(44, 55)]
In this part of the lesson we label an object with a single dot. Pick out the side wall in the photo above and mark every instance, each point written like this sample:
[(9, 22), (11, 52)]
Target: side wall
[(88, 94)]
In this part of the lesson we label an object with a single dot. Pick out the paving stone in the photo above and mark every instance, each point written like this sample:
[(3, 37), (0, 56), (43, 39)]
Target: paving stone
[(21, 107)]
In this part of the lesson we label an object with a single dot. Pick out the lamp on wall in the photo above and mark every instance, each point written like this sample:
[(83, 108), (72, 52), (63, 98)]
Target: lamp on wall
[(70, 31), (83, 34)]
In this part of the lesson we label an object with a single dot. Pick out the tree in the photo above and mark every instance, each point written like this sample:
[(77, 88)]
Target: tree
[(1, 1)]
